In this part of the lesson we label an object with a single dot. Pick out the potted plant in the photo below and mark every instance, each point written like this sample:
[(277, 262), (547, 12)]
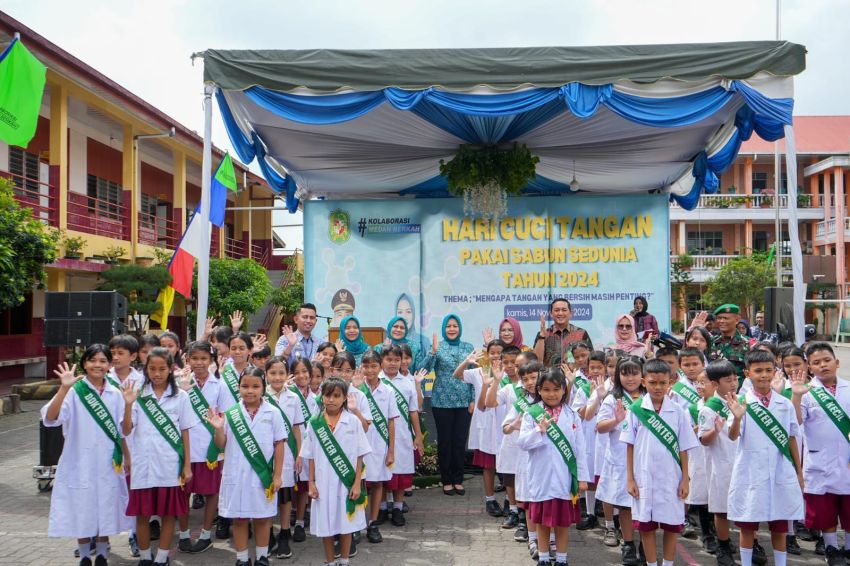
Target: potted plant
[(113, 254), (144, 261), (73, 246), (804, 200), (767, 198)]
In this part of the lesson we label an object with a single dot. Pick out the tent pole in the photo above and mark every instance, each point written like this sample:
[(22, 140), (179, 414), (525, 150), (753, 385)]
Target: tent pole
[(206, 178)]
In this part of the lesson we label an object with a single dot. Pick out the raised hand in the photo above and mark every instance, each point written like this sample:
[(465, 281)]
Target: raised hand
[(236, 321), (185, 378), (736, 408), (544, 332), (718, 423), (420, 375), (259, 341), (209, 326), (215, 420), (516, 424), (569, 373), (474, 357), (544, 424), (778, 381), (352, 402), (387, 342), (357, 378), (699, 320), (67, 375), (340, 345), (488, 335), (130, 393), (619, 411), (599, 387), (799, 387), (290, 335)]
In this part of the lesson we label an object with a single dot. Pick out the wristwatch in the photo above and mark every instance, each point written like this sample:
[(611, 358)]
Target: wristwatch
[(538, 338)]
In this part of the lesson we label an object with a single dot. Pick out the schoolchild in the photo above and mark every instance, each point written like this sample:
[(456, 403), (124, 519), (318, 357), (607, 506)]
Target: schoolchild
[(239, 352), (251, 478), (301, 372), (588, 392), (171, 342), (406, 371), (338, 503), (698, 497), (659, 435), (125, 352), (324, 354), (146, 343), (220, 339), (344, 366), (260, 356), (316, 379), (557, 471), (90, 491)]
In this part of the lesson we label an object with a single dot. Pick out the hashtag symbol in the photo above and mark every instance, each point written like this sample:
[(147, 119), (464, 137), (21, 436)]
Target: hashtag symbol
[(361, 226)]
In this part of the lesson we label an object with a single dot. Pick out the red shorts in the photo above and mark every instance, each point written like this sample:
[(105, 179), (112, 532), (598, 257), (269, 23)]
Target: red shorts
[(371, 484), (824, 511), (649, 526), (162, 501), (399, 481), (778, 527), (522, 505), (553, 513), (204, 480), (484, 460), (302, 487)]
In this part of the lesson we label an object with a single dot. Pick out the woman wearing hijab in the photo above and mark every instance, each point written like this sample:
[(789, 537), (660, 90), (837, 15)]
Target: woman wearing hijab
[(625, 337), (405, 307), (397, 335), (352, 337), (511, 333), (644, 322), (450, 399)]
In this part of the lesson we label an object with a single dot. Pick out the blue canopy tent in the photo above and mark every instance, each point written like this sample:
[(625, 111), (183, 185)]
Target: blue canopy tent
[(620, 119)]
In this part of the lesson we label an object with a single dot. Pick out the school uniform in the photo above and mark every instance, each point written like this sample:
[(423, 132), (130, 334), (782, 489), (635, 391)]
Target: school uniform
[(206, 481), (135, 377), (310, 409), (579, 400), (155, 479), (508, 456), (482, 441), (601, 440), (719, 457), (825, 465), (405, 465), (698, 490), (328, 515), (89, 497), (549, 479), (656, 472), (289, 404), (764, 484), (242, 493), (376, 460), (613, 476), (521, 478), (228, 397)]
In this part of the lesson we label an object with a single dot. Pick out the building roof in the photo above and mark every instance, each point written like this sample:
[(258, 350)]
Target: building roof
[(818, 135)]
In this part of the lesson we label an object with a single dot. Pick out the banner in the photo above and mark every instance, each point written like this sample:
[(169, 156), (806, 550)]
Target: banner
[(421, 259)]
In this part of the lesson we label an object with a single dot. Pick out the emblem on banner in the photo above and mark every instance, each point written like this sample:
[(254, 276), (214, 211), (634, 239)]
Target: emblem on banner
[(339, 228)]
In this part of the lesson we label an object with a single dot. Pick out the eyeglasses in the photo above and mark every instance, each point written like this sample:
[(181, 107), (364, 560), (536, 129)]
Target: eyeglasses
[(624, 326), (343, 371)]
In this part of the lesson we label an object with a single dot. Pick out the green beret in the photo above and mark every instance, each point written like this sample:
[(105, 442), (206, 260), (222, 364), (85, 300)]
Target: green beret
[(728, 308)]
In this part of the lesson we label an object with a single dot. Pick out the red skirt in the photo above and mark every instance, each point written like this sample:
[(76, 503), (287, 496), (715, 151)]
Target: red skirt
[(553, 513), (204, 480), (399, 481), (484, 460), (162, 501)]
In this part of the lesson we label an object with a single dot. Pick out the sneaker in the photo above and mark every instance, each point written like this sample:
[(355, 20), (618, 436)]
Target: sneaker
[(533, 551), (688, 531), (792, 546), (133, 543), (382, 517), (154, 525), (562, 563), (200, 545), (262, 561), (511, 520), (353, 551), (397, 518), (709, 544), (184, 545), (610, 538), (820, 547), (298, 534), (493, 509), (521, 534), (834, 556), (803, 533), (222, 528), (725, 555), (587, 522), (283, 550), (373, 533), (759, 556), (100, 560), (272, 541), (198, 501), (628, 554)]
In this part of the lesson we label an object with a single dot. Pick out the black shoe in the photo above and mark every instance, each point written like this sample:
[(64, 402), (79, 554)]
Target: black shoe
[(200, 545), (283, 550), (709, 544), (133, 544), (145, 563), (493, 509), (628, 554), (184, 544), (373, 533), (154, 525), (759, 556), (404, 507), (460, 491), (397, 518), (298, 534), (587, 522), (792, 546), (100, 560), (499, 488), (834, 556), (408, 493), (243, 562), (382, 517), (222, 528), (450, 491), (511, 520), (272, 541), (262, 561), (562, 563), (820, 547), (353, 551), (688, 530), (85, 561), (725, 555), (521, 534), (355, 536), (198, 501), (598, 510)]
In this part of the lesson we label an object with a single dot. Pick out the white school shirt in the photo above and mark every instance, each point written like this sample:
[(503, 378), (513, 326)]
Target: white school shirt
[(313, 408), (508, 456), (404, 461), (601, 444), (199, 436), (88, 496), (579, 400), (656, 472), (681, 401), (764, 483), (825, 465), (613, 476), (719, 458), (228, 399), (521, 477), (327, 513), (698, 490), (376, 460), (242, 494), (548, 475), (136, 377), (481, 435), (289, 404)]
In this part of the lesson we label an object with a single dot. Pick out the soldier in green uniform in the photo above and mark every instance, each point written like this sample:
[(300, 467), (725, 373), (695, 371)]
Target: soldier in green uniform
[(729, 344)]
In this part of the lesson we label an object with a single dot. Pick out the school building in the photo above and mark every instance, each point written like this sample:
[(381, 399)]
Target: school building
[(91, 172)]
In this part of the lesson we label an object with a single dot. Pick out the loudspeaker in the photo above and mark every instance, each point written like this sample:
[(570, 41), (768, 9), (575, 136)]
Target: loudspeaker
[(77, 332), (85, 305), (779, 311)]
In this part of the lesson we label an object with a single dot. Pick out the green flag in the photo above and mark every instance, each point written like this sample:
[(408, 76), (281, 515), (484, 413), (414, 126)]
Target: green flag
[(22, 78), (224, 180), (771, 254)]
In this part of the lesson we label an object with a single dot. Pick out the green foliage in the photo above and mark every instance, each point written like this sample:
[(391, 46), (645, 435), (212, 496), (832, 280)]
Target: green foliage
[(680, 278), (140, 285), (73, 245), (290, 296), (114, 253), (741, 281), (161, 256), (510, 169), (26, 245), (235, 284)]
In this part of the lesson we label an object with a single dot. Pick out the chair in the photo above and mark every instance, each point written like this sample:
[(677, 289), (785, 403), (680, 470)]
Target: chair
[(844, 330)]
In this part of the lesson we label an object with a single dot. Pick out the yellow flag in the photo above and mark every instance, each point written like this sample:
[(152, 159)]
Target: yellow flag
[(166, 300)]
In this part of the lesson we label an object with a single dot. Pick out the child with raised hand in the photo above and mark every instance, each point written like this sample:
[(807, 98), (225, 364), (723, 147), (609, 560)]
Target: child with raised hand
[(658, 435), (557, 471), (381, 435), (613, 477), (301, 372), (767, 481), (589, 390), (163, 415), (90, 490), (406, 371), (334, 447), (125, 352), (287, 403), (344, 367), (324, 355), (171, 342), (316, 379), (713, 432), (255, 433)]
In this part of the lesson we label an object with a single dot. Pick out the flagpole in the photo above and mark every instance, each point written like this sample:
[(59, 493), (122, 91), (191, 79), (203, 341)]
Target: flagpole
[(206, 178)]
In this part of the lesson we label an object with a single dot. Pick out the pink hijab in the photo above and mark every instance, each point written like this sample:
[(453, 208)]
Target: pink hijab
[(631, 345), (517, 341)]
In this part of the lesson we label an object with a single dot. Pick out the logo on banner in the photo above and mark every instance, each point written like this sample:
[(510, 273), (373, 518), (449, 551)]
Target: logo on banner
[(339, 228), (387, 225)]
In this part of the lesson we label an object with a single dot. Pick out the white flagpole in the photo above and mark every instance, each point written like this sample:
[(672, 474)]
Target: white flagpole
[(206, 178)]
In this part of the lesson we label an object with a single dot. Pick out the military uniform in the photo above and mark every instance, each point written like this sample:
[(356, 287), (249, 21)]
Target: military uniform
[(732, 348)]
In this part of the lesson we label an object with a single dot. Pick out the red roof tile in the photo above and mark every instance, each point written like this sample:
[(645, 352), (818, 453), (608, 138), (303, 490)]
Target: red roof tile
[(813, 134)]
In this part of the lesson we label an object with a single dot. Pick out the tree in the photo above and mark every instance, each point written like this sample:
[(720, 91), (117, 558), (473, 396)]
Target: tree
[(741, 281), (290, 295), (235, 284), (141, 286), (26, 246), (680, 278)]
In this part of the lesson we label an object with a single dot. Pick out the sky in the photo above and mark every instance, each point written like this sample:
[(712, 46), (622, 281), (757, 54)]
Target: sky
[(146, 46)]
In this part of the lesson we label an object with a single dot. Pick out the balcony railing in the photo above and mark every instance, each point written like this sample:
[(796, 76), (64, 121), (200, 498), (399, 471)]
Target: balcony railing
[(715, 262), (158, 231), (235, 249), (97, 216), (36, 195), (826, 228), (748, 201)]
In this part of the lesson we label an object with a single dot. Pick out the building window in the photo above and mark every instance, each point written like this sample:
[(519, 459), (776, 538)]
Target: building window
[(148, 211), (104, 197), (701, 243), (759, 182), (24, 169), (760, 240)]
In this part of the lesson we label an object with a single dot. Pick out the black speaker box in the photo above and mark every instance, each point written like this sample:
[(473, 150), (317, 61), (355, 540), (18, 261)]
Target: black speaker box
[(778, 308), (107, 305), (70, 332)]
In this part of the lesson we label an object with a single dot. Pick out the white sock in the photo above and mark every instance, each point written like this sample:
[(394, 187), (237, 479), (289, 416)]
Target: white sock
[(145, 554), (299, 523), (84, 548), (609, 524), (830, 539), (616, 512), (390, 497), (383, 505), (560, 557), (161, 556), (791, 528), (552, 537), (514, 509), (780, 558), (746, 556), (667, 562), (590, 499), (242, 555), (532, 536), (205, 535), (185, 534), (398, 505), (489, 498), (103, 549), (262, 551)]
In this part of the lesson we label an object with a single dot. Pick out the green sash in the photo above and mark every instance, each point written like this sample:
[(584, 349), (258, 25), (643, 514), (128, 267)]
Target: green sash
[(201, 408), (691, 396), (717, 405), (787, 393), (378, 418), (565, 449), (659, 429), (246, 441), (290, 438), (583, 384), (231, 380), (305, 410), (521, 405), (319, 403), (770, 427), (832, 409), (166, 428), (504, 381), (339, 461), (113, 381), (403, 407), (98, 411)]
